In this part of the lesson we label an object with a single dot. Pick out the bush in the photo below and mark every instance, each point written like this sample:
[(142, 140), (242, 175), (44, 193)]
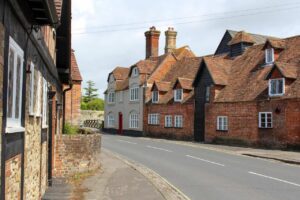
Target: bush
[(94, 104), (83, 106), (70, 129)]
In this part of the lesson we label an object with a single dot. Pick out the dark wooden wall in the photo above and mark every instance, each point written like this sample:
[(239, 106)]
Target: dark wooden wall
[(223, 46), (203, 80)]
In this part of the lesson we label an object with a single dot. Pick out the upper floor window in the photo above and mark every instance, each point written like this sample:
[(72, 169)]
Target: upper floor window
[(178, 121), (111, 97), (35, 91), (134, 93), (135, 72), (276, 87), (178, 95), (153, 119), (265, 120), (155, 96), (269, 54), (14, 86), (222, 123), (133, 120)]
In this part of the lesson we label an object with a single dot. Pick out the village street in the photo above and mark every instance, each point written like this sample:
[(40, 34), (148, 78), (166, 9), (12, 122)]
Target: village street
[(201, 173)]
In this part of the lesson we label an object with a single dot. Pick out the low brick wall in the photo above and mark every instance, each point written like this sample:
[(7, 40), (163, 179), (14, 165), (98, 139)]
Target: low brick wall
[(77, 153)]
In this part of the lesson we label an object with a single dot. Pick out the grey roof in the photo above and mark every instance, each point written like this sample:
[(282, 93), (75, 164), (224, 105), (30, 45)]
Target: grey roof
[(259, 39)]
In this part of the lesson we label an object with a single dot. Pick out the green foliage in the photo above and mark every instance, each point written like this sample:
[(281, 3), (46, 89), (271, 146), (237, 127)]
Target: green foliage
[(70, 129), (83, 106), (96, 104), (90, 92)]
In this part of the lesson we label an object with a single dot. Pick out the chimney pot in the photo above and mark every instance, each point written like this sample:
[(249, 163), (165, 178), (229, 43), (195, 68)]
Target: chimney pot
[(152, 42), (170, 40)]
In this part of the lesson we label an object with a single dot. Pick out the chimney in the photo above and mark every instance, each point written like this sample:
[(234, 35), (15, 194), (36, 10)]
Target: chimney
[(152, 42), (170, 40)]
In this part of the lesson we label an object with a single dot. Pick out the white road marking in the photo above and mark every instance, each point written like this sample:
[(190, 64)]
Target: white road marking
[(157, 148), (127, 142), (276, 179), (211, 162)]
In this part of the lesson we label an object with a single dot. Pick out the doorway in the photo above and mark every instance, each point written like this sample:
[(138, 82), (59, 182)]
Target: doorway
[(120, 130)]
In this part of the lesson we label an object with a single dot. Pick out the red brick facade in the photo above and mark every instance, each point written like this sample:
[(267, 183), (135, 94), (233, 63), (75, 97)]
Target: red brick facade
[(73, 98)]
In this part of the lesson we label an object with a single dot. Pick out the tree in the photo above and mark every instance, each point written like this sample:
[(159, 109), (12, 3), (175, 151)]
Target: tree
[(96, 104), (90, 92)]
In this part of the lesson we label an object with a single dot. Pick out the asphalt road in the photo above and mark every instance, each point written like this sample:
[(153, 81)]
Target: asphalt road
[(204, 174)]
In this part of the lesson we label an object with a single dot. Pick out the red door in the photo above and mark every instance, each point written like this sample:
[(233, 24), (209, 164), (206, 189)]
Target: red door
[(120, 123)]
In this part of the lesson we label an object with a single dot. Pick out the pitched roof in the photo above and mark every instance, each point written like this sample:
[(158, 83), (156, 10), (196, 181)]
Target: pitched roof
[(120, 73), (145, 66), (75, 72), (219, 68), (276, 43), (122, 84), (185, 83), (258, 39), (247, 80), (162, 86), (241, 36)]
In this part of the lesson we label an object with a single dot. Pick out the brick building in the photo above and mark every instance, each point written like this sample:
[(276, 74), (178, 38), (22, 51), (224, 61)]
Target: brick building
[(253, 92), (34, 64), (73, 95)]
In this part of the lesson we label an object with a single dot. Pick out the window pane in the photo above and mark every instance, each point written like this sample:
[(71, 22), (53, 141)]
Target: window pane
[(18, 88), (10, 83), (280, 86)]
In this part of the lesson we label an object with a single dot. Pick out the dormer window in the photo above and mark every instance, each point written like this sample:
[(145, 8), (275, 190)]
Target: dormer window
[(111, 97), (276, 87), (178, 95), (269, 54), (155, 96), (135, 72)]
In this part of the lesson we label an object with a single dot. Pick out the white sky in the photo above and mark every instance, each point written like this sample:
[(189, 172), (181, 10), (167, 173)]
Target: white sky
[(100, 47)]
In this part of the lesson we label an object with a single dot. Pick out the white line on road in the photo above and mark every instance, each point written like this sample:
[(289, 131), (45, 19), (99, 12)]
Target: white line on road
[(127, 142), (276, 179), (157, 148), (211, 162)]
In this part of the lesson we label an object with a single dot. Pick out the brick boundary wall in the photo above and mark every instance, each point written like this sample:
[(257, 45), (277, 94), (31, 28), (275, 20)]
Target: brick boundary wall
[(76, 154)]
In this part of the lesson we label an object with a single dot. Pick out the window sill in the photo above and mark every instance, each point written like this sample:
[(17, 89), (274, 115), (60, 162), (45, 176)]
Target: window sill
[(275, 95), (14, 129), (225, 131)]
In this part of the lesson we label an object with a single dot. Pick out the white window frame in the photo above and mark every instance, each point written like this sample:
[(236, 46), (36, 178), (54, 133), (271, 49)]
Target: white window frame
[(13, 122), (110, 120), (111, 97), (222, 123), (155, 96), (276, 86), (153, 119), (135, 72), (168, 121), (260, 122), (45, 104), (176, 92), (31, 102), (269, 52), (38, 111), (134, 120), (178, 121), (134, 93)]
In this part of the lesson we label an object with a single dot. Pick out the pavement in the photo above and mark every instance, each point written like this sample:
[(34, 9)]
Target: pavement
[(212, 172)]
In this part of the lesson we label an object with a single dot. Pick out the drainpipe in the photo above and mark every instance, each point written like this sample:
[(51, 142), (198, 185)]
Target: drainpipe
[(64, 103)]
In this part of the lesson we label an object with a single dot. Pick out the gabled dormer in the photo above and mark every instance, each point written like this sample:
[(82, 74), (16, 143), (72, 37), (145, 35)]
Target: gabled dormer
[(272, 48), (182, 88), (239, 43), (158, 90)]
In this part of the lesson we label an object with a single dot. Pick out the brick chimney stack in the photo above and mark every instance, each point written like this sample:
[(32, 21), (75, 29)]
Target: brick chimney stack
[(152, 42), (170, 40)]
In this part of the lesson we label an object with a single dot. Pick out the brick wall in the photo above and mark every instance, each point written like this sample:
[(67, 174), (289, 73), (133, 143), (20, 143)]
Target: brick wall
[(73, 98), (186, 110), (243, 122), (76, 153)]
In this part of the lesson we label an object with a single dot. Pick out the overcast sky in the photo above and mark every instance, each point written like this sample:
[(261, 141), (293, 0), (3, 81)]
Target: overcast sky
[(110, 33)]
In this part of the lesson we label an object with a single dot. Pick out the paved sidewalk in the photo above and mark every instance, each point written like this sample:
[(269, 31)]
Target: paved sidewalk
[(117, 180)]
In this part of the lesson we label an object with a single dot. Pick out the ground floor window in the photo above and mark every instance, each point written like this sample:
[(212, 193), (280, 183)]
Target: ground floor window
[(168, 121), (134, 121), (265, 120), (222, 123), (178, 121), (153, 119), (110, 120)]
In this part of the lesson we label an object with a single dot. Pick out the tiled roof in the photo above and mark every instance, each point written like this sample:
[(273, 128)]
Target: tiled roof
[(145, 66), (122, 84), (185, 83), (276, 43), (247, 80), (162, 86), (75, 72), (242, 36), (258, 39), (120, 73), (219, 68)]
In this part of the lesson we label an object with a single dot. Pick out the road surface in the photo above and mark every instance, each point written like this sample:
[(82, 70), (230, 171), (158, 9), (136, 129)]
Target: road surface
[(204, 174)]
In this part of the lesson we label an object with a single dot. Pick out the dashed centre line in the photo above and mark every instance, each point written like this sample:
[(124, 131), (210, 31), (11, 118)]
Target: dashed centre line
[(127, 141), (201, 159), (275, 179), (157, 148)]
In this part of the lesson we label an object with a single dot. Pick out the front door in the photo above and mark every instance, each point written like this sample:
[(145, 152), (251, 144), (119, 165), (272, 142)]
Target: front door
[(120, 131)]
